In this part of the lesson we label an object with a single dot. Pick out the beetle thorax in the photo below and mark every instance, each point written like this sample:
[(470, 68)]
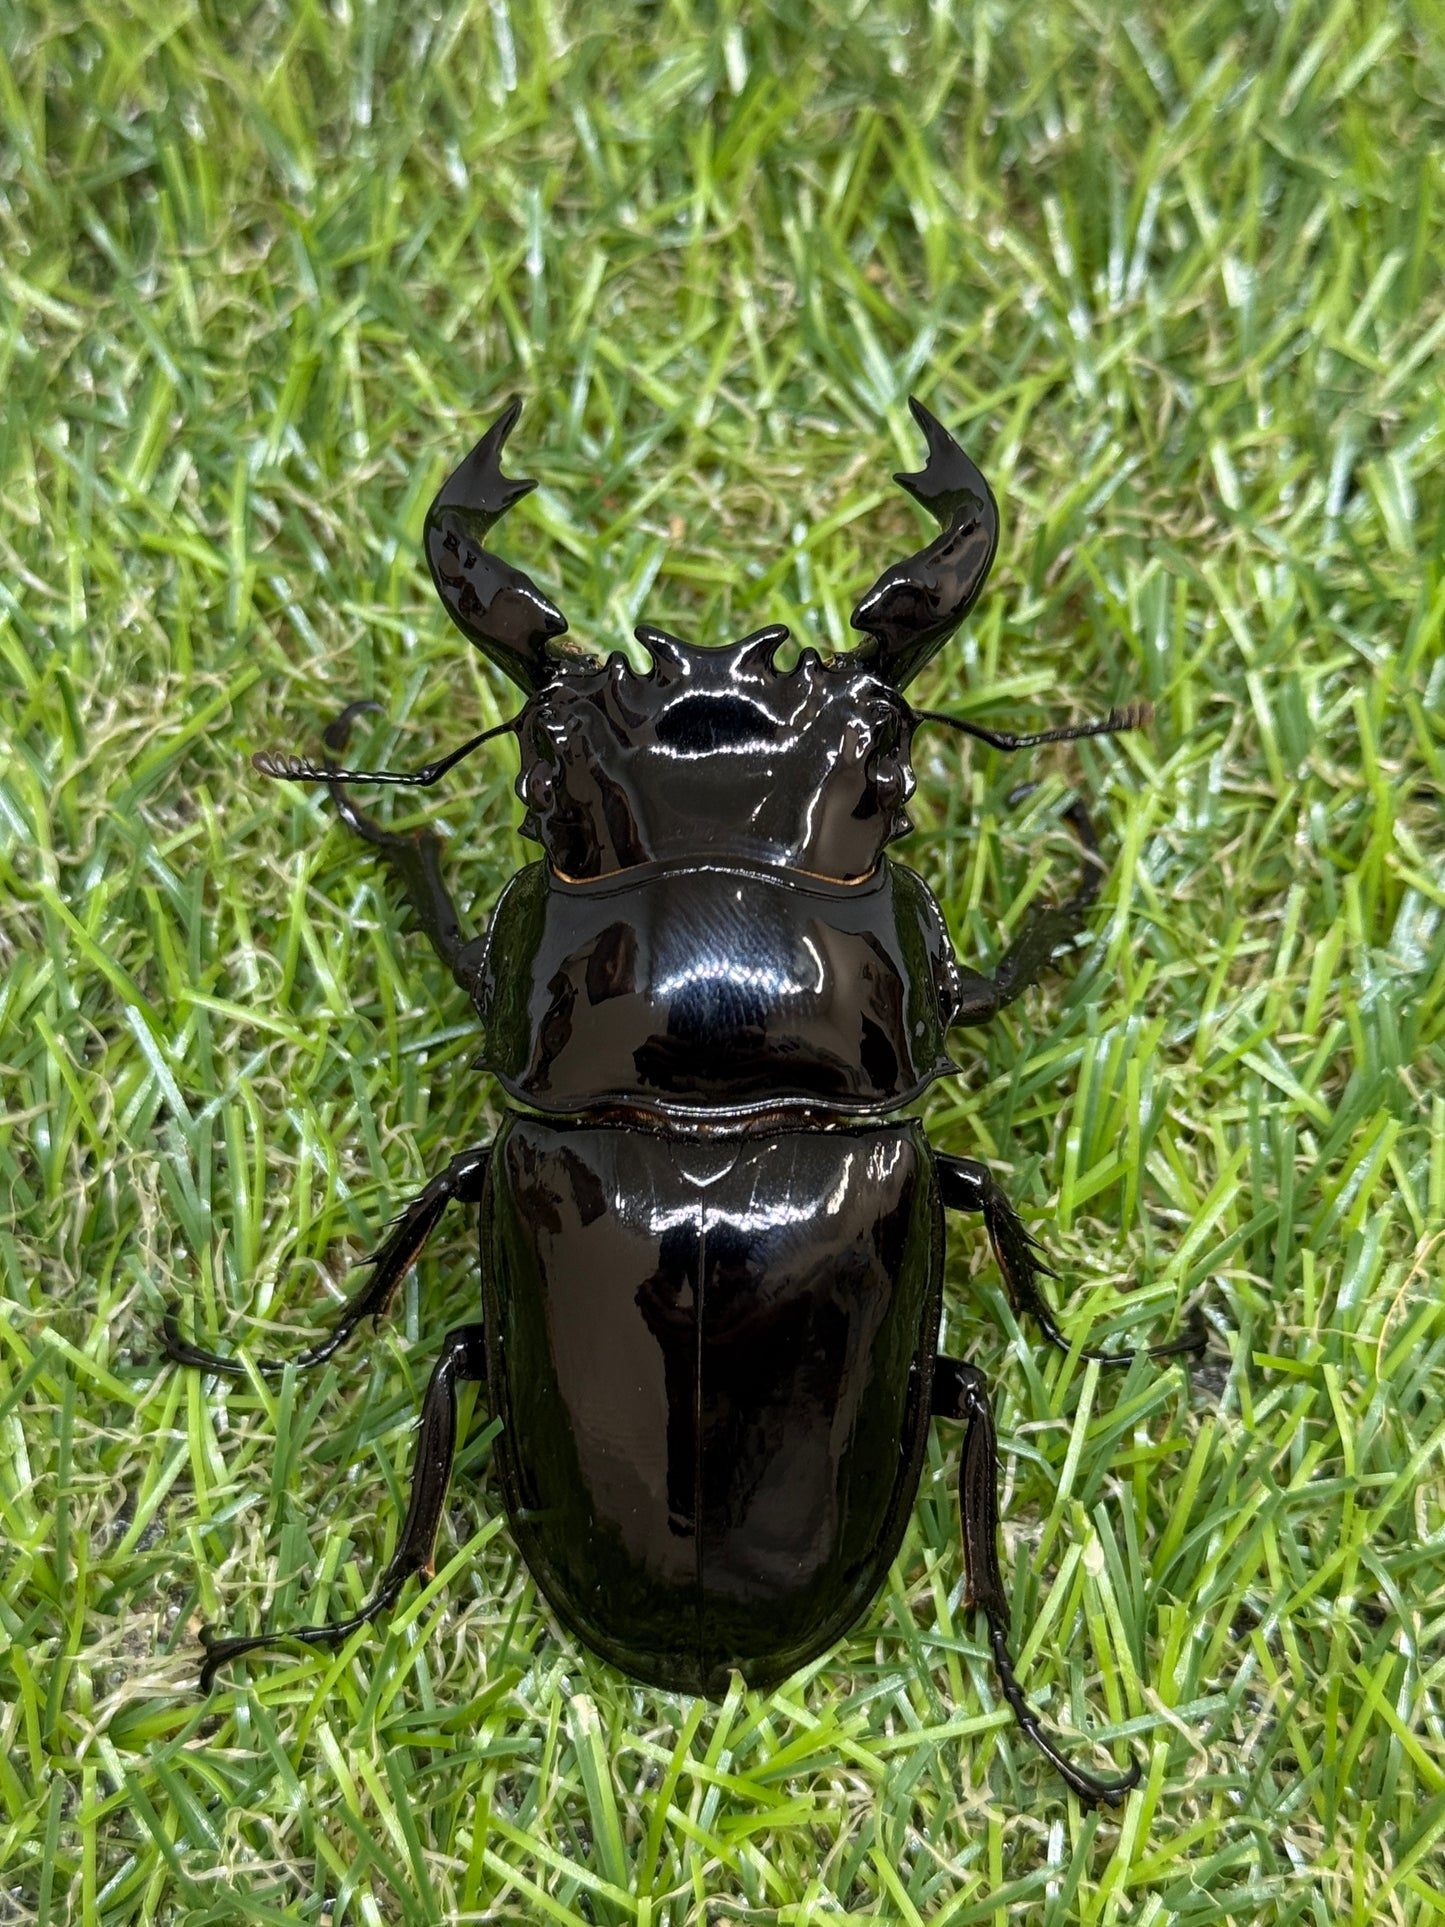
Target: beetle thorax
[(714, 755)]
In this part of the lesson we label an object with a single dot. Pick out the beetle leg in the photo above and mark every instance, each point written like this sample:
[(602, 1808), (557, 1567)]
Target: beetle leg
[(463, 1359), (1046, 928), (964, 1184), (960, 1391), (414, 859), (461, 1182)]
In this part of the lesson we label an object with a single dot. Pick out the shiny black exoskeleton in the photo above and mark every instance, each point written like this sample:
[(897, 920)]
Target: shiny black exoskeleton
[(711, 1265)]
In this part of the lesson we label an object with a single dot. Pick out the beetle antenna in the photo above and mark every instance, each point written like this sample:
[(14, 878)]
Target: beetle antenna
[(1131, 716), (299, 769)]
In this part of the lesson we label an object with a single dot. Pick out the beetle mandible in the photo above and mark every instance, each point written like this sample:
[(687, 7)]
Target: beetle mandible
[(711, 1251)]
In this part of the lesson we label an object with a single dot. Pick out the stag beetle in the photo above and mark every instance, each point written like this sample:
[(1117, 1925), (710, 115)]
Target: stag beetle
[(712, 1254)]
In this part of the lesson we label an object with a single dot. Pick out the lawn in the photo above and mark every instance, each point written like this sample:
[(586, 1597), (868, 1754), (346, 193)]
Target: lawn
[(1174, 276)]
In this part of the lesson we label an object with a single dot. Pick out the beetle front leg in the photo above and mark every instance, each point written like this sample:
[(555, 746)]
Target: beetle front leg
[(461, 1182), (1045, 929), (964, 1184), (414, 859), (463, 1360), (960, 1391)]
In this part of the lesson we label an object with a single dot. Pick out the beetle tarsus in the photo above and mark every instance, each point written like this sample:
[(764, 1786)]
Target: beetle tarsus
[(961, 1392), (1049, 926), (180, 1351), (463, 1360), (1089, 1787)]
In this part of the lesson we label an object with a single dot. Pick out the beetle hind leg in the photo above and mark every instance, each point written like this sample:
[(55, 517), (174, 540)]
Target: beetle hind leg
[(463, 1360), (961, 1392), (965, 1184)]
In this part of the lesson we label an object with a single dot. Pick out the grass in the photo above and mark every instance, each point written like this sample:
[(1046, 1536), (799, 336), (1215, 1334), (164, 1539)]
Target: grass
[(1174, 274)]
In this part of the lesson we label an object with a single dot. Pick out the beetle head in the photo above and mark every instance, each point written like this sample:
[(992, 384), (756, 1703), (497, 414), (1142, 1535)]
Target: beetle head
[(715, 753)]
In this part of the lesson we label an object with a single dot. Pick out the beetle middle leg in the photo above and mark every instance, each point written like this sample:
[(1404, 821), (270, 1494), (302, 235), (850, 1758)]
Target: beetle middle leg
[(960, 1391), (460, 1182), (966, 1184), (463, 1360)]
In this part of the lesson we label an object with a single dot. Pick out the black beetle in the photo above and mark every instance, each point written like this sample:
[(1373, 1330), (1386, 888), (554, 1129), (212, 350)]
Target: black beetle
[(712, 1267)]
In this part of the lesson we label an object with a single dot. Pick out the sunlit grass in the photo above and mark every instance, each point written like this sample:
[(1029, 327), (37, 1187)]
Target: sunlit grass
[(1174, 278)]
